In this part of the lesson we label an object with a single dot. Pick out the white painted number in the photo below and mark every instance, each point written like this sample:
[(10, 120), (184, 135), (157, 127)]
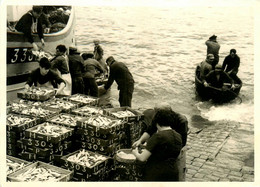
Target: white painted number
[(15, 56), (24, 55)]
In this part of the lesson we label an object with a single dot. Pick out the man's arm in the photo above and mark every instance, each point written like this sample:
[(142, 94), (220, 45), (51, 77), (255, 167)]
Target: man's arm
[(110, 79)]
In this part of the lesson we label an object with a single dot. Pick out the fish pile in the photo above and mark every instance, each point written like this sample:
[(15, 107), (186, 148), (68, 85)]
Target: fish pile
[(122, 114), (102, 122), (59, 104), (50, 129), (81, 98), (89, 110), (42, 54), (36, 112), (13, 120), (12, 166), (66, 119), (39, 173), (17, 107), (38, 91), (86, 158)]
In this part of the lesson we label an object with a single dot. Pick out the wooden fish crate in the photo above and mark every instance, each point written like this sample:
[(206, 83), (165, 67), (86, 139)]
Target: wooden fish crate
[(19, 164), (93, 124), (124, 113), (42, 95), (65, 175), (64, 119), (94, 168), (19, 123), (83, 99), (87, 111), (66, 133), (61, 104), (36, 157)]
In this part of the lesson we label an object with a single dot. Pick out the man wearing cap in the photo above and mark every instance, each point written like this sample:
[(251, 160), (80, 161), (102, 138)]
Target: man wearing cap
[(218, 77), (213, 48), (231, 63), (124, 79), (206, 66), (98, 55), (31, 23), (76, 67)]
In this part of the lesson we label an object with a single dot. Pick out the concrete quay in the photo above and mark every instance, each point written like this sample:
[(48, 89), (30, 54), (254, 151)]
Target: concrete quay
[(220, 151)]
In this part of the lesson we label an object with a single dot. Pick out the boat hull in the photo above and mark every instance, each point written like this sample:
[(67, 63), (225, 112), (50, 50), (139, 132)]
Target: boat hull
[(216, 94)]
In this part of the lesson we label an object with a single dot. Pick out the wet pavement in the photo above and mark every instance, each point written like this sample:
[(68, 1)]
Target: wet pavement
[(220, 151)]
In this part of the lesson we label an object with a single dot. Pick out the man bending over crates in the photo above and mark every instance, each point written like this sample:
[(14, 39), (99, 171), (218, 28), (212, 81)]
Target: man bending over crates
[(179, 124), (44, 77)]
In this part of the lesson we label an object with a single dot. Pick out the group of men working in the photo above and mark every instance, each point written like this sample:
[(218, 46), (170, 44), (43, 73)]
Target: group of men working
[(214, 74), (164, 147)]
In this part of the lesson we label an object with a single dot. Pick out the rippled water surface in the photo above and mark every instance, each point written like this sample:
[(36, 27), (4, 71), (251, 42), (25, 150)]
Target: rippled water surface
[(162, 46)]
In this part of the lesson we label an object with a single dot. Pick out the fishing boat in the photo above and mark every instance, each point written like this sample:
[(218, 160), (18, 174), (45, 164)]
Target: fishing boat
[(217, 95), (20, 60)]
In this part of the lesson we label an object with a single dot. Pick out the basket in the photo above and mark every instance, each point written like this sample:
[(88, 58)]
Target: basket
[(122, 159)]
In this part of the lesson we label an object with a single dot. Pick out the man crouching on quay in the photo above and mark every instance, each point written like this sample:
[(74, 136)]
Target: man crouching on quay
[(124, 79), (44, 77)]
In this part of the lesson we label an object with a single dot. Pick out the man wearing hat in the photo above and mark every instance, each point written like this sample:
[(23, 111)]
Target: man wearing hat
[(124, 79), (206, 66), (76, 67), (213, 48), (217, 78)]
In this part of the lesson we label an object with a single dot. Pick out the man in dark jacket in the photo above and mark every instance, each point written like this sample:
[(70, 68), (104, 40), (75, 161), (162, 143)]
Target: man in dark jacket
[(231, 63), (45, 77), (124, 79), (31, 23), (91, 66), (76, 67)]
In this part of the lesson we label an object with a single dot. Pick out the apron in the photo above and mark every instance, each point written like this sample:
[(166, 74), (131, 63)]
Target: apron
[(67, 89)]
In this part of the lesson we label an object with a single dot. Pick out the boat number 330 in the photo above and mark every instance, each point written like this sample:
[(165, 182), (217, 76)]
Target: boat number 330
[(19, 55)]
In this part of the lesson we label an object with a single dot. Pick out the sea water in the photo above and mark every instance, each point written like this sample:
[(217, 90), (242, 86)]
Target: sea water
[(161, 45)]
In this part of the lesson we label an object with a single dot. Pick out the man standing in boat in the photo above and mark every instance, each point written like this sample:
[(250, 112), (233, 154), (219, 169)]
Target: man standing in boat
[(124, 79), (231, 64), (98, 55), (31, 23), (213, 48)]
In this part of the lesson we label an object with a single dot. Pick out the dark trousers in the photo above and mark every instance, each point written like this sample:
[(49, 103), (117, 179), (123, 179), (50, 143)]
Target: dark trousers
[(91, 87), (126, 94), (77, 85)]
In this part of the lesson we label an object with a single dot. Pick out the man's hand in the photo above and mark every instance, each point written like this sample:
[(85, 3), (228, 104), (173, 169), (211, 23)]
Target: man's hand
[(136, 144), (206, 84)]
